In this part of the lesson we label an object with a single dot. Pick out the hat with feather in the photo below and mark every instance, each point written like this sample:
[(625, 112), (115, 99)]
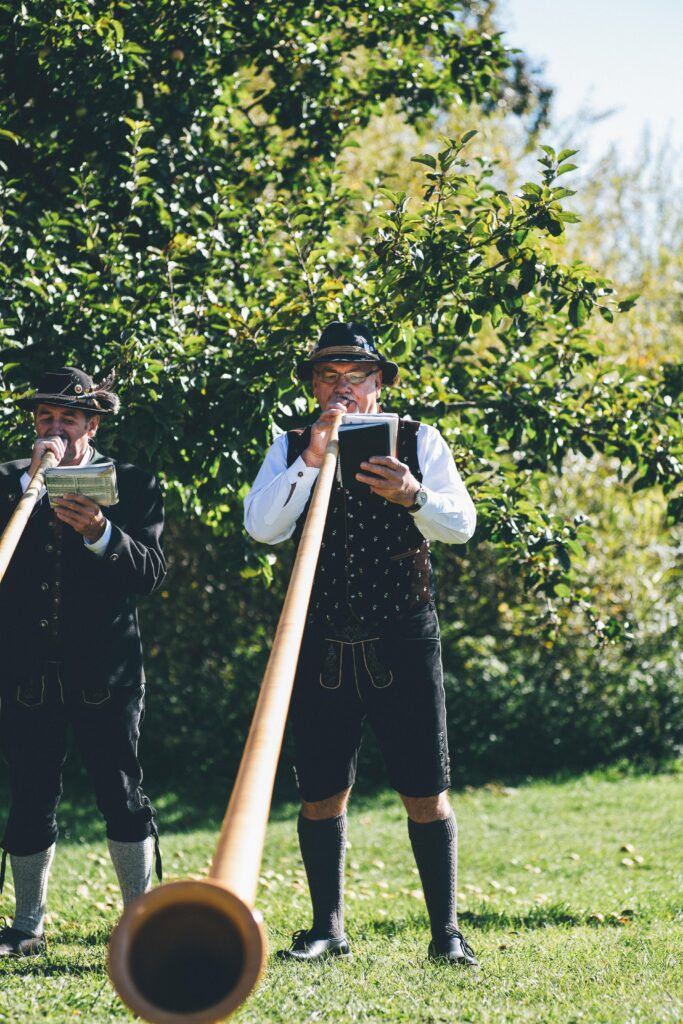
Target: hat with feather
[(74, 389)]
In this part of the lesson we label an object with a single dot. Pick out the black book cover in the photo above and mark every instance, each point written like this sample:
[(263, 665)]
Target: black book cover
[(356, 445)]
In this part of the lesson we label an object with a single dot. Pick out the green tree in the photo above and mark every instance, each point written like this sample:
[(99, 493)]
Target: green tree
[(178, 204)]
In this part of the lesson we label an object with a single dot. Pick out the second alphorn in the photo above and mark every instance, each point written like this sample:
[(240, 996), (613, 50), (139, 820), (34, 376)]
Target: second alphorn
[(20, 517)]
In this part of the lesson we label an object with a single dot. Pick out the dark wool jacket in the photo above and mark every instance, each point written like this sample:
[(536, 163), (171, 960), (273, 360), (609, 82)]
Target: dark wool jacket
[(59, 601)]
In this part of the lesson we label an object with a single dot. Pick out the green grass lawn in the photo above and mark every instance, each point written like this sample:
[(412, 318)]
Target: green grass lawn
[(571, 895)]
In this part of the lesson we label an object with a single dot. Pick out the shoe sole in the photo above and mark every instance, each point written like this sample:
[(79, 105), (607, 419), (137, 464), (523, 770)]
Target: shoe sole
[(459, 961), (285, 954)]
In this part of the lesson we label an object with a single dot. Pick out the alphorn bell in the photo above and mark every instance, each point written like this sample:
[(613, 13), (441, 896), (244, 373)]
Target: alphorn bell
[(190, 952), (19, 518)]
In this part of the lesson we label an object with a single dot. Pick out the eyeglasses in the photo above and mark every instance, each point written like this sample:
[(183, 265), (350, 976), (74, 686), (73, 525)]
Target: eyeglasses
[(352, 377)]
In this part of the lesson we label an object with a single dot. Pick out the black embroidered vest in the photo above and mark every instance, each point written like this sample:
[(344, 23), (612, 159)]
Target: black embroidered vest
[(374, 563)]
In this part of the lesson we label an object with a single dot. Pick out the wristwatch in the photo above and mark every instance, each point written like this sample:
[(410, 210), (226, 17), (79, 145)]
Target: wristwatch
[(419, 502)]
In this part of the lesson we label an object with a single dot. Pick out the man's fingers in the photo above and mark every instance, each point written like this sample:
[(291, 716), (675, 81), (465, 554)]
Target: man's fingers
[(386, 460), (376, 482), (51, 444), (70, 517), (365, 478), (388, 472), (73, 510), (78, 501)]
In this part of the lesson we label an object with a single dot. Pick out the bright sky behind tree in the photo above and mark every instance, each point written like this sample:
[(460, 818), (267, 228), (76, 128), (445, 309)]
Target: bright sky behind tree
[(620, 55)]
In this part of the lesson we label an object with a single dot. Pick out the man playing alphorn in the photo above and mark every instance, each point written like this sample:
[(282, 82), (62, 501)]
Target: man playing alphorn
[(71, 652), (371, 645)]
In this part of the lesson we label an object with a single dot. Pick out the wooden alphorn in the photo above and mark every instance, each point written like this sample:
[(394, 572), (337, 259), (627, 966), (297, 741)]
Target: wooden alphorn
[(19, 518), (190, 952)]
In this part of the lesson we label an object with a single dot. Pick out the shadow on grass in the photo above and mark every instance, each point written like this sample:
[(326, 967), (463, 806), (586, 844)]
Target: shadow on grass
[(553, 915), (44, 967)]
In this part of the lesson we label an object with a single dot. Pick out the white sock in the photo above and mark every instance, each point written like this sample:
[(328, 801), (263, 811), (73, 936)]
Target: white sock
[(30, 875), (133, 863)]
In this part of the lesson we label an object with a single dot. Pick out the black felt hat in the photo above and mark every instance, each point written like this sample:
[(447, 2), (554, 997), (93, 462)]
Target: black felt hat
[(74, 389), (346, 343)]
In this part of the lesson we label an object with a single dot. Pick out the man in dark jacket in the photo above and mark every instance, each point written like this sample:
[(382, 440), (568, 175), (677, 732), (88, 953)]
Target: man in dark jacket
[(371, 647), (71, 651)]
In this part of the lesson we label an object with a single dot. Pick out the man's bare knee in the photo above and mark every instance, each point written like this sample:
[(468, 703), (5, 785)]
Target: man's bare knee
[(332, 807), (423, 809)]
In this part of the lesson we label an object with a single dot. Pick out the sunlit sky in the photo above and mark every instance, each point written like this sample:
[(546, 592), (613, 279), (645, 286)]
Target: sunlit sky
[(625, 55)]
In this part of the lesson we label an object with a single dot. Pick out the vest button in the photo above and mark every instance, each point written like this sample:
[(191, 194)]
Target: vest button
[(44, 586), (43, 623), (49, 548), (114, 557)]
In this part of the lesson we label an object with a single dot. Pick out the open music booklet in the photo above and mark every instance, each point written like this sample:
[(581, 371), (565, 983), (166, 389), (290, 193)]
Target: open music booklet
[(96, 481), (360, 436)]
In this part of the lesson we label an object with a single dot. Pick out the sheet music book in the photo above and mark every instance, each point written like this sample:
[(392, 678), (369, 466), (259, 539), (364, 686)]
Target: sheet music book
[(360, 436), (96, 481)]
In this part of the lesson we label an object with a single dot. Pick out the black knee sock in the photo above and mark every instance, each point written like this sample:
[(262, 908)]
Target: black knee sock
[(323, 847), (435, 846)]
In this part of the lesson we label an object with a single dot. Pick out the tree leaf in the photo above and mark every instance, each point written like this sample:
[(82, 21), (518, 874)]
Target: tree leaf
[(426, 159), (578, 312)]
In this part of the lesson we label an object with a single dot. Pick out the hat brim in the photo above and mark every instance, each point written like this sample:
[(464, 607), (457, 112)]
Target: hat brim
[(304, 368), (75, 404)]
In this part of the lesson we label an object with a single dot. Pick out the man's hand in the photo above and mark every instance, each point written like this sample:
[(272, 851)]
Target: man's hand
[(397, 483), (46, 444), (320, 435), (82, 515)]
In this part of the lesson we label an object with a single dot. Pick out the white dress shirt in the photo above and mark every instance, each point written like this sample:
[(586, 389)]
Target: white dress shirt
[(279, 493), (98, 547)]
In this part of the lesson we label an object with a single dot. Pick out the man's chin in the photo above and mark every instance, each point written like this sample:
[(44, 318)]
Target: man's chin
[(71, 457)]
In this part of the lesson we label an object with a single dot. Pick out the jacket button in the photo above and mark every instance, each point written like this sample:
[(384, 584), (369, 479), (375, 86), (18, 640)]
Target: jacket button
[(11, 497), (44, 586), (49, 548), (114, 558), (43, 623)]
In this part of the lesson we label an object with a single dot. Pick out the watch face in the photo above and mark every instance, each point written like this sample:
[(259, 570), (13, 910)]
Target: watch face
[(420, 500)]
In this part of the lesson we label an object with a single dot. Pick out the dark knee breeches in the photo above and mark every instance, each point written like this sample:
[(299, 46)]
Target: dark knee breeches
[(394, 679), (34, 719)]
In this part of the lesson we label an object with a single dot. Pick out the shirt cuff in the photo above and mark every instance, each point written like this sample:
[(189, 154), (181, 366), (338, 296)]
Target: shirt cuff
[(300, 471), (99, 546)]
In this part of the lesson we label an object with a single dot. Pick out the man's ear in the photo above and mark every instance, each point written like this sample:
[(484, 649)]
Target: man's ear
[(93, 424)]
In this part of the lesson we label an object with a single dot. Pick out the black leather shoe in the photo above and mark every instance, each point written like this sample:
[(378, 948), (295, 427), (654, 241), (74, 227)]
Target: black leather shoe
[(305, 947), (17, 943), (454, 950)]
